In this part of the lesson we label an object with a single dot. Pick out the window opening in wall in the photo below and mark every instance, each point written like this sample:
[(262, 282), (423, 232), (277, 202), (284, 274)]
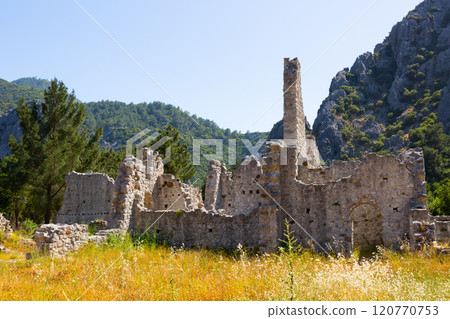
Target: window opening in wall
[(292, 222), (385, 179), (210, 230), (251, 192), (229, 205), (165, 206), (308, 210), (395, 209), (257, 191), (243, 192)]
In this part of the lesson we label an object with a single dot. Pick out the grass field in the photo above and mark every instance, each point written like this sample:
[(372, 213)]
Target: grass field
[(151, 272)]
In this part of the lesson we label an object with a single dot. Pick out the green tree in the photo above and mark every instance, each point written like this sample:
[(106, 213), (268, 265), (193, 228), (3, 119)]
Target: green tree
[(440, 199), (180, 163), (53, 143), (436, 149)]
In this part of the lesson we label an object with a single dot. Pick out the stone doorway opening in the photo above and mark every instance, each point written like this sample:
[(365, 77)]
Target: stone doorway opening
[(367, 226)]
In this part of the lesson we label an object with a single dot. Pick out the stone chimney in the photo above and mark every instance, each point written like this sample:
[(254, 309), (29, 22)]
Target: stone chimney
[(293, 118)]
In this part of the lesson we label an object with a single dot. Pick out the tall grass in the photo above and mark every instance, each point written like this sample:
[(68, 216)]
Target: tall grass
[(148, 271)]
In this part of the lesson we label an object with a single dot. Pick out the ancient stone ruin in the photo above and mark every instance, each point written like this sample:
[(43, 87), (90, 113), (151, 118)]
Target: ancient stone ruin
[(379, 200), (5, 227)]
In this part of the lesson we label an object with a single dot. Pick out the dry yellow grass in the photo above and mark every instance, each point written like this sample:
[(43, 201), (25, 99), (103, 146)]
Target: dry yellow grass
[(162, 273)]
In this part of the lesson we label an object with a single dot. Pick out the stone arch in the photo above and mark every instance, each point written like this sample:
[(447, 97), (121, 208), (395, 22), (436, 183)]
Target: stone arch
[(367, 225)]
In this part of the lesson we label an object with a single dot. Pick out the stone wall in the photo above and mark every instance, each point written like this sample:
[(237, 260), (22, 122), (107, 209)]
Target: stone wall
[(59, 239), (134, 186), (87, 197), (370, 206), (422, 234), (5, 227), (442, 228), (293, 118), (199, 228), (240, 194), (171, 194), (139, 185)]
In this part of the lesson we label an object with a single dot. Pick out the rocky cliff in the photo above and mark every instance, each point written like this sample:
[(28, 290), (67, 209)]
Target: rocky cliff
[(385, 94), (374, 105)]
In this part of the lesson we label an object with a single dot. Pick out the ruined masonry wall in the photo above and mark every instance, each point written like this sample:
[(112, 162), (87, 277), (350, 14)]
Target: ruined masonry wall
[(5, 227), (171, 194), (212, 230), (442, 228), (375, 202), (58, 239), (87, 197), (293, 117), (238, 195)]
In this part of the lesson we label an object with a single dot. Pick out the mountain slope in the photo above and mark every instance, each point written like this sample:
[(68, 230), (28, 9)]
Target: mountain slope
[(11, 93), (384, 96), (33, 82), (122, 121)]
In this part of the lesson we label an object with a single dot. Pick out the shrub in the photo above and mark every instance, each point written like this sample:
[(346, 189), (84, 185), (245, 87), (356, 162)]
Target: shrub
[(419, 58), (347, 132), (409, 94), (439, 203), (436, 96), (29, 226), (420, 76), (348, 89), (353, 109), (410, 118), (371, 118)]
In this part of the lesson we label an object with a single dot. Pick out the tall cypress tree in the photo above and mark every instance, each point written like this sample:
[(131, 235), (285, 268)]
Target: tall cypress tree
[(53, 144)]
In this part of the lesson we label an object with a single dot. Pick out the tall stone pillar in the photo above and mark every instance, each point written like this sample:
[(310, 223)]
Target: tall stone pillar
[(294, 118)]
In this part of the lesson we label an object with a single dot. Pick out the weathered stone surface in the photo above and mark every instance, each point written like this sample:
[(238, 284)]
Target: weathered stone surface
[(422, 234), (236, 195), (442, 228), (199, 228), (87, 197), (5, 227), (59, 239)]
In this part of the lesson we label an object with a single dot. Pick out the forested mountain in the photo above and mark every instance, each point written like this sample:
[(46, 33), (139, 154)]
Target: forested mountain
[(121, 121), (11, 93), (33, 82)]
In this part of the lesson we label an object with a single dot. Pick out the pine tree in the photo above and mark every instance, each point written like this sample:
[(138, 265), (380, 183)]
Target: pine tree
[(53, 144), (180, 163)]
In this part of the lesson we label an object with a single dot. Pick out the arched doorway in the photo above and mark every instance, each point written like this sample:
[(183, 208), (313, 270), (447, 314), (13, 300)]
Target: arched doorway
[(367, 226)]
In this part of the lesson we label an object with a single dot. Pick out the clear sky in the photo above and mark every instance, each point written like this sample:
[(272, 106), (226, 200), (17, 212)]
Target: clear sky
[(221, 60)]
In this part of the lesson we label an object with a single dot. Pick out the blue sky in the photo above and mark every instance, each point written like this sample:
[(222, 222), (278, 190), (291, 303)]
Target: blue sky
[(221, 60)]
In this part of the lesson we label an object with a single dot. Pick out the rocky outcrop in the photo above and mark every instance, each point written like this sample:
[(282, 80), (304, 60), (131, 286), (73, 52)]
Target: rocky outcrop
[(9, 125), (5, 227), (409, 72)]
